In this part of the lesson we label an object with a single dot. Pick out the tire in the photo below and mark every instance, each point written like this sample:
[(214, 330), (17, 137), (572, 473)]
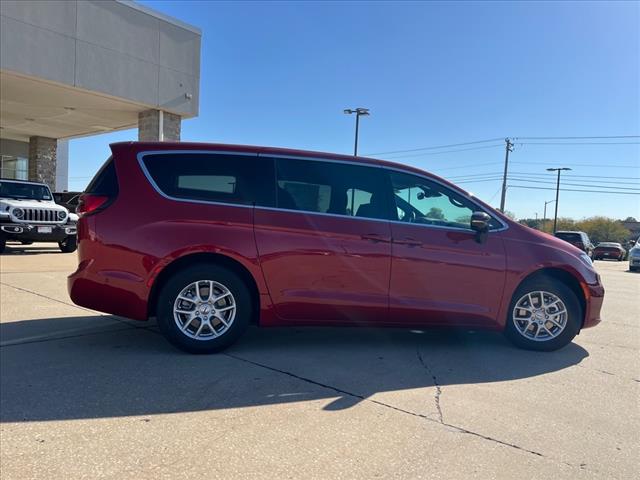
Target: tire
[(225, 282), (69, 244), (3, 243), (551, 290)]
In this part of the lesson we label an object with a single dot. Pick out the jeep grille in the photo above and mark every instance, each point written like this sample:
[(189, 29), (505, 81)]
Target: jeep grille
[(40, 215)]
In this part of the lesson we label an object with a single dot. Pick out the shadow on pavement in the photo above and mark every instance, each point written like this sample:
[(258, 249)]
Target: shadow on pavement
[(18, 249), (133, 371)]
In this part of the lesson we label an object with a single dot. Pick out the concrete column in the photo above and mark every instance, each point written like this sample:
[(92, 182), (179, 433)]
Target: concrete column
[(42, 160), (62, 166), (158, 126)]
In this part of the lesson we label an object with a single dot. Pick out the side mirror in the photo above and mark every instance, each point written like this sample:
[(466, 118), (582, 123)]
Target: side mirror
[(480, 224)]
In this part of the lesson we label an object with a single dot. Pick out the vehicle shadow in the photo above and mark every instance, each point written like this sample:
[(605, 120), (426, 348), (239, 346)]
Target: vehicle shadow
[(133, 371), (17, 249)]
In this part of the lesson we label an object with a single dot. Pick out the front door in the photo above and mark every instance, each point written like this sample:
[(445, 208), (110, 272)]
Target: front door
[(325, 250), (440, 274)]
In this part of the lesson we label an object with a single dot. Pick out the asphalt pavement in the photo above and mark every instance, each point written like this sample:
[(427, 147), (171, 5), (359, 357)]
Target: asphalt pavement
[(88, 395)]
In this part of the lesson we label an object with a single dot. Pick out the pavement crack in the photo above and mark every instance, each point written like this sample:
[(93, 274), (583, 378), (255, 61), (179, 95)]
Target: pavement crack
[(392, 407), (437, 386)]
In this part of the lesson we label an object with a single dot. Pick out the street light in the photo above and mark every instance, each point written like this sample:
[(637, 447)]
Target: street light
[(359, 112), (555, 218), (544, 215)]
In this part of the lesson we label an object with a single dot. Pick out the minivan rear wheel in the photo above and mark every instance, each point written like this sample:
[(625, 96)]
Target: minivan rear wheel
[(204, 308), (544, 315)]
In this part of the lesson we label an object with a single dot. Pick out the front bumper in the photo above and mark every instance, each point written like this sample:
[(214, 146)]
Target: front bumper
[(36, 233), (634, 262), (594, 295)]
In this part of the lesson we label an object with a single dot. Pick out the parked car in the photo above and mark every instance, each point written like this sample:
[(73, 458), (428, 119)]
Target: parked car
[(210, 238), (634, 257), (68, 200), (28, 214), (611, 250), (577, 239)]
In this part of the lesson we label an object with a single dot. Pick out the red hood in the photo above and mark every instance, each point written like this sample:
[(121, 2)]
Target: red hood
[(546, 238)]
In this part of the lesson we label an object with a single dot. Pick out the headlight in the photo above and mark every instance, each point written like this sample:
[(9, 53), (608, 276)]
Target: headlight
[(586, 259), (18, 212), (61, 215)]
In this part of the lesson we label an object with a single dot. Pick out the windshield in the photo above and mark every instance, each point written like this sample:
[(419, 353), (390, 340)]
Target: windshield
[(24, 190)]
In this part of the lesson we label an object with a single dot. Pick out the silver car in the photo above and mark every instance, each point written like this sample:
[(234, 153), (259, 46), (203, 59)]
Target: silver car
[(634, 257)]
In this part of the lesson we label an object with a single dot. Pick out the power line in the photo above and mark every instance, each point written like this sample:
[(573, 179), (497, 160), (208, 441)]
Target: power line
[(574, 184), (576, 138), (580, 176), (578, 165), (572, 190), (483, 180), (470, 165), (500, 138), (445, 151), (577, 143), (436, 147)]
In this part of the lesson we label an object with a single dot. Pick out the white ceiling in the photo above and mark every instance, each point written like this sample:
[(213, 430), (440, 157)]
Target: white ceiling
[(31, 107)]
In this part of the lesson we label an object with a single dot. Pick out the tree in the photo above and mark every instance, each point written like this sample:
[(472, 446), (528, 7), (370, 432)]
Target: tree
[(435, 213), (603, 229), (630, 219)]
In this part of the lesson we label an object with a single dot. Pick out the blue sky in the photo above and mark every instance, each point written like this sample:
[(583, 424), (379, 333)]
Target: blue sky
[(280, 74)]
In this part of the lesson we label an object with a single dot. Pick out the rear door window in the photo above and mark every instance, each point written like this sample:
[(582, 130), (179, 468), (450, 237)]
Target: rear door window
[(332, 188), (224, 178)]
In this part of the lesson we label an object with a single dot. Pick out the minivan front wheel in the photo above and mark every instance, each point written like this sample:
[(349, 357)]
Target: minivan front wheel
[(204, 309), (544, 315)]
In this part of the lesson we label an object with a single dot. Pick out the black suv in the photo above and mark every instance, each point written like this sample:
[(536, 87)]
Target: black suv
[(577, 239)]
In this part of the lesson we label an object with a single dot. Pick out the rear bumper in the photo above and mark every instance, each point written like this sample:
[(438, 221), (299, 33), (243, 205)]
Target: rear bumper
[(36, 233), (117, 293), (594, 295)]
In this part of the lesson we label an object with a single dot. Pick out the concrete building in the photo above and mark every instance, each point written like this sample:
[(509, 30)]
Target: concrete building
[(72, 68)]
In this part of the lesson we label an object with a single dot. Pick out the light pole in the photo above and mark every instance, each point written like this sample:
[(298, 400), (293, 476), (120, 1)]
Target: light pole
[(544, 215), (555, 218), (359, 112)]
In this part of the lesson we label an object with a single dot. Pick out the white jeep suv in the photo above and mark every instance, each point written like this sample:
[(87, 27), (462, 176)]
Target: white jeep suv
[(29, 214)]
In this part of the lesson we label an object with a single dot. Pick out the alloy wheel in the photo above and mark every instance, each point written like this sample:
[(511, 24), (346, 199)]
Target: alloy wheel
[(540, 316), (204, 310)]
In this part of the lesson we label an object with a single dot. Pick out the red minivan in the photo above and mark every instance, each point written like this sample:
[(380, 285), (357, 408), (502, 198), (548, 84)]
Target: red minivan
[(211, 238)]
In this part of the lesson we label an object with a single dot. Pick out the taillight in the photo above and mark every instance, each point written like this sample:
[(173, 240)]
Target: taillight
[(88, 203)]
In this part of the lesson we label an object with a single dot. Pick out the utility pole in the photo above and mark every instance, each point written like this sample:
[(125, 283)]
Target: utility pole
[(555, 218), (508, 148), (544, 215)]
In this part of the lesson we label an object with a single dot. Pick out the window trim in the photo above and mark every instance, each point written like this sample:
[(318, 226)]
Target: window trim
[(274, 156)]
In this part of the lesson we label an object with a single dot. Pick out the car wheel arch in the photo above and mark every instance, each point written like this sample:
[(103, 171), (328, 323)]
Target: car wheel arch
[(561, 275), (200, 258)]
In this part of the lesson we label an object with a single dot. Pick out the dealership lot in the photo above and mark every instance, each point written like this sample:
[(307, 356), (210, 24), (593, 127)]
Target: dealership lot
[(90, 395)]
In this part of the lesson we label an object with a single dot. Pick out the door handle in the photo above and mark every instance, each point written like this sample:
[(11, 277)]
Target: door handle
[(411, 242), (374, 237)]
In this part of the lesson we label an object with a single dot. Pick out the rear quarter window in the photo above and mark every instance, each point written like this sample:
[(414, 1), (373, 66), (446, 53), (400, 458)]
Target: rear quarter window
[(105, 182), (223, 178), (569, 237)]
